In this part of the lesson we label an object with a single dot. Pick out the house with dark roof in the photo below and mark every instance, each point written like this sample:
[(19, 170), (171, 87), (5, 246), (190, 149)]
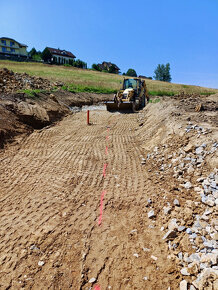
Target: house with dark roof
[(61, 56), (11, 48), (108, 66)]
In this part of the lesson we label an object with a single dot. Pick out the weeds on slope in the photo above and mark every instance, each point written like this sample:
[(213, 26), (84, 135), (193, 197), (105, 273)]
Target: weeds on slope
[(32, 94), (88, 89), (162, 93)]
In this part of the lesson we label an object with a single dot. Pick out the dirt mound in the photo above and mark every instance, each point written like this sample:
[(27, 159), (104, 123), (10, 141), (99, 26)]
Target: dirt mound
[(12, 82)]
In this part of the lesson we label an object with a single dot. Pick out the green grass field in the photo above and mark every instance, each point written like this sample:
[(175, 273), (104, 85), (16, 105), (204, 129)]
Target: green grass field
[(92, 81)]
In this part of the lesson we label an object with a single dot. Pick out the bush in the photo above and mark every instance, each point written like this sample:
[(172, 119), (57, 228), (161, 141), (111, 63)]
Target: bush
[(79, 63), (131, 73), (96, 67)]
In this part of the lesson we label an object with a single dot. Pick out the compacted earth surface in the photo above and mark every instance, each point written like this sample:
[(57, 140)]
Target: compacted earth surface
[(127, 202)]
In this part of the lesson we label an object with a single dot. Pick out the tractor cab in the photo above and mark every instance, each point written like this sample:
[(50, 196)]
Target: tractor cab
[(134, 84)]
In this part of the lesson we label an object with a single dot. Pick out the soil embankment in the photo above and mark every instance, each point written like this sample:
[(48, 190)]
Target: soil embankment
[(151, 180), (22, 114), (38, 107)]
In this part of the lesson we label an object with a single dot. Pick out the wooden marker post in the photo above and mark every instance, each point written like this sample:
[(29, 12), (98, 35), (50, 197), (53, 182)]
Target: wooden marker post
[(88, 118)]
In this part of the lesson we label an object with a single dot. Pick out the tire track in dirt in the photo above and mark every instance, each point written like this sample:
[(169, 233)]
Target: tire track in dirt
[(49, 201)]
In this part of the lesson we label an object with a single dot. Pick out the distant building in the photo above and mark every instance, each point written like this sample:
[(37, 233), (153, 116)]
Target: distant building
[(61, 56), (108, 65), (11, 48)]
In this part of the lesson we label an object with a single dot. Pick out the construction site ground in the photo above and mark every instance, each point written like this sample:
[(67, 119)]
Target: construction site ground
[(82, 206)]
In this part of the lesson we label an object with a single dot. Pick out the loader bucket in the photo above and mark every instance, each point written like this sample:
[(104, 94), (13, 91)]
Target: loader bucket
[(111, 106), (126, 107)]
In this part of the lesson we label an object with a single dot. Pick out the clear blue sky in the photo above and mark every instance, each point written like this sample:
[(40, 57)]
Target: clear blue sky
[(132, 34)]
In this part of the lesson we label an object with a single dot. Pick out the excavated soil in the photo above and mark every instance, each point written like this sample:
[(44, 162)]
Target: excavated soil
[(76, 200), (20, 113), (11, 82)]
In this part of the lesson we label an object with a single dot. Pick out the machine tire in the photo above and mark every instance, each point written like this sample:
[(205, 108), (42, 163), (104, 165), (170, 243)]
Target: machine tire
[(143, 101)]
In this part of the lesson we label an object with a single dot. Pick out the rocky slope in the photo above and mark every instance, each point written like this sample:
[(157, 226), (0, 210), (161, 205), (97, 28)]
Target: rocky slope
[(184, 162)]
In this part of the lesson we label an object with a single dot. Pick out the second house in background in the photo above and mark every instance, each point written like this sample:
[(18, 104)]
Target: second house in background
[(61, 56)]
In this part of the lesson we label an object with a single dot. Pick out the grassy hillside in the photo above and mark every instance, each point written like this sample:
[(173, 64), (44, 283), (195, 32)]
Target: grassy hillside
[(88, 80)]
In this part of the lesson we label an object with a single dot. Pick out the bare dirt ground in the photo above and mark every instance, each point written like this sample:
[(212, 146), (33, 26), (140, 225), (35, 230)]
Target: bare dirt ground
[(51, 185)]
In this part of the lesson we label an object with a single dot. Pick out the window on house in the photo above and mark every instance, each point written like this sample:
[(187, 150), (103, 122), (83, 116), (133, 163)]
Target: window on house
[(12, 50), (4, 49), (11, 43), (4, 42)]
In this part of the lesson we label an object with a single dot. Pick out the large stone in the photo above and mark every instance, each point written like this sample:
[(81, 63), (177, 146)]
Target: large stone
[(151, 214), (187, 185), (190, 169), (214, 236), (172, 225), (183, 285), (170, 235), (176, 202), (92, 280), (199, 150), (184, 271), (181, 228), (195, 257), (188, 148), (167, 209)]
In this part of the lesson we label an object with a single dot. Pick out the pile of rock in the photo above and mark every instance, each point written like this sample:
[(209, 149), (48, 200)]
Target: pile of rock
[(199, 129), (190, 229), (11, 82)]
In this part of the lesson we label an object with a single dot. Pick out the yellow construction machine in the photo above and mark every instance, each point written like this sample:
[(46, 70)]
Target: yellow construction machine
[(132, 97)]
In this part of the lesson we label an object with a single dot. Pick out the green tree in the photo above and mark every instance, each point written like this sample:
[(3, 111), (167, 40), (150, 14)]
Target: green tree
[(96, 67), (80, 64), (46, 55), (162, 73), (32, 52), (35, 55), (131, 73), (167, 74)]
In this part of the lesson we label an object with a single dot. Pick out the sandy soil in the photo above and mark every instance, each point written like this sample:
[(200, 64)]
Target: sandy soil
[(51, 185)]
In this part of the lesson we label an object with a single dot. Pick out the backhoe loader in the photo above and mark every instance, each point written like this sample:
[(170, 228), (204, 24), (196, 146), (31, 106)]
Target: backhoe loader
[(132, 97)]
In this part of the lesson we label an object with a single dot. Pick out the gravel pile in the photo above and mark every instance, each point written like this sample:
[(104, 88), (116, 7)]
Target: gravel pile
[(190, 229)]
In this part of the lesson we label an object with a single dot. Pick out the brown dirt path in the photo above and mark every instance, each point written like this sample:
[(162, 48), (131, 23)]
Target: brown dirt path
[(50, 189)]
